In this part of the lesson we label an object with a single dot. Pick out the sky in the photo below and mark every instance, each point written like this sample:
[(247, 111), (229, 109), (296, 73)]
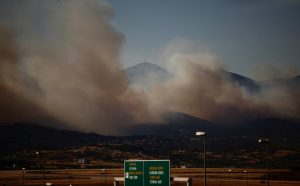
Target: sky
[(242, 34)]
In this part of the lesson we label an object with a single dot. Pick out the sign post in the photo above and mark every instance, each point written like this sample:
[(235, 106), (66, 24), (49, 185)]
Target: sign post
[(147, 172)]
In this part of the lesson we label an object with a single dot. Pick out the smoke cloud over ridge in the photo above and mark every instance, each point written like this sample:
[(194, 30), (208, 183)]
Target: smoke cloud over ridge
[(270, 71), (59, 63), (201, 87), (71, 56)]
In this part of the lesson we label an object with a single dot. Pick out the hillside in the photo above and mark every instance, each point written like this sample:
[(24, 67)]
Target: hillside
[(30, 136), (144, 74), (230, 147)]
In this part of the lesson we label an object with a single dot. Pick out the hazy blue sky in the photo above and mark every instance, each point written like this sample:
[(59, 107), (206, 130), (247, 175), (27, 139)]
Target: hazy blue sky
[(242, 33)]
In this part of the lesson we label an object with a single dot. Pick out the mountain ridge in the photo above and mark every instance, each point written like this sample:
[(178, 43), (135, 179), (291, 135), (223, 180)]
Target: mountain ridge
[(145, 69), (145, 74), (180, 127)]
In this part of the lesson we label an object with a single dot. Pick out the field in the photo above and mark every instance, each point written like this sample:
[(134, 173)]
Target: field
[(105, 177)]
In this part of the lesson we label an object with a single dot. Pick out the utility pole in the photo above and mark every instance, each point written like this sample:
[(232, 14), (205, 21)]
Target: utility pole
[(201, 133)]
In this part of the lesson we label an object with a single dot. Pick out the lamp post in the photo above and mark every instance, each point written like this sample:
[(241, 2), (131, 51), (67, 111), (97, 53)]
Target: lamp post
[(229, 171), (104, 172), (246, 176), (44, 170), (23, 176), (38, 160), (266, 141), (201, 133), (40, 166)]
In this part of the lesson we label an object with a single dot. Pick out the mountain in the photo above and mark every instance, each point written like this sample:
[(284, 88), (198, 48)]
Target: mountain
[(178, 131), (176, 125), (64, 148), (30, 136), (272, 127), (246, 83), (144, 69), (145, 74), (292, 82), (183, 126)]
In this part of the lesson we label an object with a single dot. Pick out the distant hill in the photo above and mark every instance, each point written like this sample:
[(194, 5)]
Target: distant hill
[(175, 139), (292, 82), (248, 84), (145, 74), (177, 126), (183, 126), (271, 127), (31, 136)]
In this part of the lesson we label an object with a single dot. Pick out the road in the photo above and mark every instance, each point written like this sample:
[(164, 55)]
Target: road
[(104, 177)]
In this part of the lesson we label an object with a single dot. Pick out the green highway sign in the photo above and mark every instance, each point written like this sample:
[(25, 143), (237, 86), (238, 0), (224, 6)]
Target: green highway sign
[(147, 172), (157, 173), (134, 173)]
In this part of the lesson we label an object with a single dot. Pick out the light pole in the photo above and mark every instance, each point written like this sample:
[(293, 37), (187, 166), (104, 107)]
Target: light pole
[(266, 141), (229, 171), (201, 133), (246, 176), (38, 160), (39, 164), (23, 176), (42, 166), (44, 170), (104, 172)]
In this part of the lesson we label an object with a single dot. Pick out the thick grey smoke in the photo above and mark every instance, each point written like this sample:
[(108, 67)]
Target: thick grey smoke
[(69, 53), (270, 71), (14, 105), (201, 87)]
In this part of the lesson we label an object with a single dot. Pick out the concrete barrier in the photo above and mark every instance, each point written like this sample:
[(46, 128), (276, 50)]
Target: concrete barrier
[(117, 180), (188, 181)]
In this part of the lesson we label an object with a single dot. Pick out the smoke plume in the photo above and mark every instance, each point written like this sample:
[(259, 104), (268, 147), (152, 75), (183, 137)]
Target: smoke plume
[(14, 105), (201, 87), (66, 65), (270, 71)]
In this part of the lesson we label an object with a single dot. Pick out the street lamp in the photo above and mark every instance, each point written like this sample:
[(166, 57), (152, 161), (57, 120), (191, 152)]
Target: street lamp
[(246, 176), (23, 176), (44, 170), (201, 133), (266, 141), (39, 165), (42, 166), (229, 171), (38, 159), (104, 172)]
